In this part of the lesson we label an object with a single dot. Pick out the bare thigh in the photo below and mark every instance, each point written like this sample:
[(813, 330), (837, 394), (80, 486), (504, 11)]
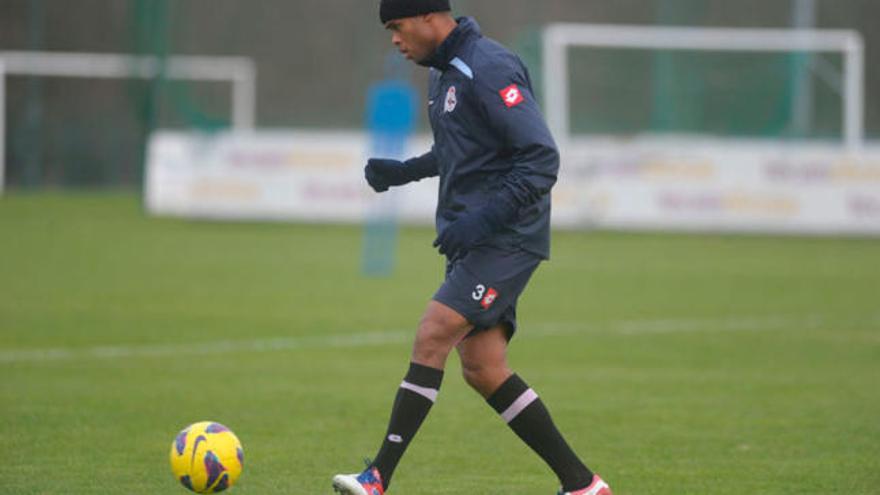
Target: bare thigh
[(440, 329), (484, 360)]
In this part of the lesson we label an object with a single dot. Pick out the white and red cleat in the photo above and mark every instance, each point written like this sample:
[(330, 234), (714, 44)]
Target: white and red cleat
[(368, 482), (597, 487)]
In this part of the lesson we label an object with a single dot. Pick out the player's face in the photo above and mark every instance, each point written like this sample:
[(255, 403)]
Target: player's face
[(413, 36)]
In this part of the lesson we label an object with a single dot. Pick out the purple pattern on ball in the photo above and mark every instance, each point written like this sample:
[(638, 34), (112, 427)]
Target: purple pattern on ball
[(222, 484), (213, 468), (185, 481), (240, 454), (199, 439), (180, 442), (216, 428)]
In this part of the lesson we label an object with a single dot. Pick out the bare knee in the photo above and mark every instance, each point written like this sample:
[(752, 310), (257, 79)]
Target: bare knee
[(474, 374), (440, 329), (485, 378), (484, 360), (431, 346)]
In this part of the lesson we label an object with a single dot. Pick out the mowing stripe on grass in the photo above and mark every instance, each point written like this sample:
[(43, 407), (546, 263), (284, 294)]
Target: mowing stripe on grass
[(203, 348), (702, 325), (624, 327)]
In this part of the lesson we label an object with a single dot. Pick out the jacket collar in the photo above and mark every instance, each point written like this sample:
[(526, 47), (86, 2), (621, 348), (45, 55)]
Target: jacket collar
[(466, 30)]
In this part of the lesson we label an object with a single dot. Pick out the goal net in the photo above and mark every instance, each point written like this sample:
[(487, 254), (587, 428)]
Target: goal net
[(77, 117), (771, 83), (702, 129)]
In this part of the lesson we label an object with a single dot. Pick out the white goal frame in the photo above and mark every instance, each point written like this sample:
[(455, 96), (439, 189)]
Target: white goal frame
[(558, 38), (241, 72)]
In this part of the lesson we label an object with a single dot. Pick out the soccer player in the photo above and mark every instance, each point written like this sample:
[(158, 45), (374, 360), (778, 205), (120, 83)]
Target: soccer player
[(497, 163)]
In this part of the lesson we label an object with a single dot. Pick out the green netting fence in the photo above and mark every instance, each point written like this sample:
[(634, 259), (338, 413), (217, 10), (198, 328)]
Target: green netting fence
[(316, 60)]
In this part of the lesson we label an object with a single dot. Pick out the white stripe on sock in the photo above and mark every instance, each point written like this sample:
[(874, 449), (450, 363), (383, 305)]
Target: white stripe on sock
[(519, 404), (428, 393)]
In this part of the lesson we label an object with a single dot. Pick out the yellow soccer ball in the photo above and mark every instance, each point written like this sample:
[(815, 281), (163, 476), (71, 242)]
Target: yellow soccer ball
[(206, 457)]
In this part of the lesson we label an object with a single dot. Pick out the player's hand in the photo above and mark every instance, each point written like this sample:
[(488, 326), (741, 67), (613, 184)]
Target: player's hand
[(382, 174), (466, 232)]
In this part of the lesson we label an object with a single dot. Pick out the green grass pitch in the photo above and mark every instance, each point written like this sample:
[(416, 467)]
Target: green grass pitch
[(675, 365)]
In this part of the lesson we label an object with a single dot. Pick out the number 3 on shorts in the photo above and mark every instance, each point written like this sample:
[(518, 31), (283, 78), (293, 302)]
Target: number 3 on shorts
[(479, 291)]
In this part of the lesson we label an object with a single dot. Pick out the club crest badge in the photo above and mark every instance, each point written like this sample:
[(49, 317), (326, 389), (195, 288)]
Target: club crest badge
[(451, 100)]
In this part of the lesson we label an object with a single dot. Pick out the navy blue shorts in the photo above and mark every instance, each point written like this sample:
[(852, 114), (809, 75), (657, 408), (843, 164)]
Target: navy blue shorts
[(485, 284)]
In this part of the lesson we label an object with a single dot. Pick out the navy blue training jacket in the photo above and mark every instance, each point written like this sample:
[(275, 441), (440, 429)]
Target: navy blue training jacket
[(491, 143)]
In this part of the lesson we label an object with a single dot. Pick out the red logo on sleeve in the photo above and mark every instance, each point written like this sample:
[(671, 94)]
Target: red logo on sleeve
[(512, 96)]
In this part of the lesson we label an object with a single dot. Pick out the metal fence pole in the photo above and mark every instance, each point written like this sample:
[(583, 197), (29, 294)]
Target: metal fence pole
[(2, 126)]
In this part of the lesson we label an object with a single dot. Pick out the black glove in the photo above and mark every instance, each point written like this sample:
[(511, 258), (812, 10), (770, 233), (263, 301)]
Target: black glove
[(382, 174), (472, 228)]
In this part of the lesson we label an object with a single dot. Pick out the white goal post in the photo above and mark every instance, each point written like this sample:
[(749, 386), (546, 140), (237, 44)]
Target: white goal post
[(558, 38), (239, 71)]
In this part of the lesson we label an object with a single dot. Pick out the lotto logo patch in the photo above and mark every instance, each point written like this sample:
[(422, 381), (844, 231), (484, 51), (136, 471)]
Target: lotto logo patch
[(512, 96), (489, 299)]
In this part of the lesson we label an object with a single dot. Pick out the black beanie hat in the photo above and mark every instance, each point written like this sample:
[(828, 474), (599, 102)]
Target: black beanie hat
[(390, 10)]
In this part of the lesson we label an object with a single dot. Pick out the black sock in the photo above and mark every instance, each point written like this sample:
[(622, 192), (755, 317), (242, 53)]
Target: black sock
[(529, 419), (414, 399)]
